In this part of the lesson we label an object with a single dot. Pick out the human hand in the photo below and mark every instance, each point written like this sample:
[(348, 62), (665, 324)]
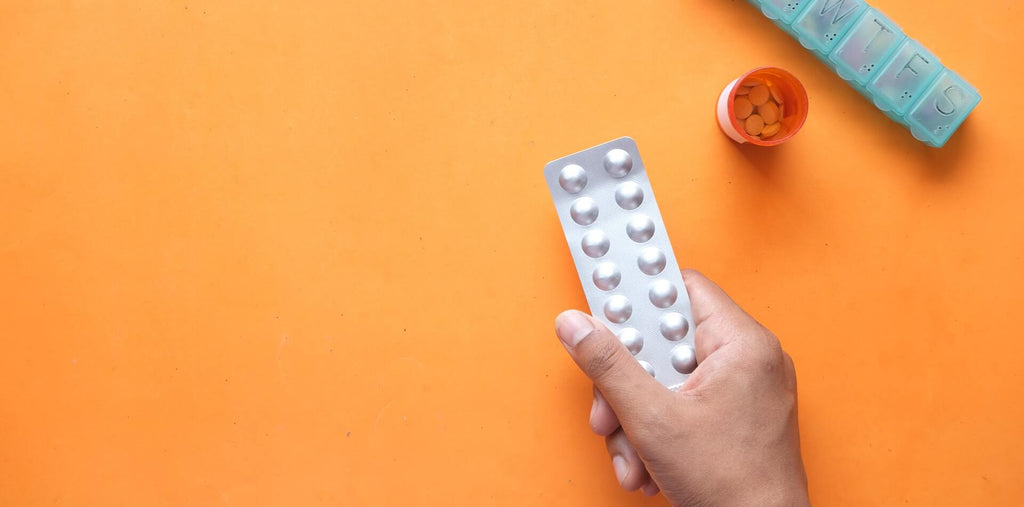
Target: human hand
[(728, 436)]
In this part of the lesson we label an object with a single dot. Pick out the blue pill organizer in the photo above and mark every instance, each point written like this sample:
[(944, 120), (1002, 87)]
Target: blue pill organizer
[(871, 53)]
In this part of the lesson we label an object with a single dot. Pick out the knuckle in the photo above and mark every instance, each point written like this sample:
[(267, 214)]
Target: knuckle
[(787, 360), (771, 363), (765, 358), (790, 373)]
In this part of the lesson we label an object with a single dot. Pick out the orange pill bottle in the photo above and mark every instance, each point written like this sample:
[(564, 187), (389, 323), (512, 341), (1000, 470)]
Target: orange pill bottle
[(785, 85)]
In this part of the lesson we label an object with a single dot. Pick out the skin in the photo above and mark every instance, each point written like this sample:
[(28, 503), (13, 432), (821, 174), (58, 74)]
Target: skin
[(728, 436)]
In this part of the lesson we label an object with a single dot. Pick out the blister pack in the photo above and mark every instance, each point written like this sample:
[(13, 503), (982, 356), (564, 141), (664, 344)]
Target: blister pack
[(623, 256)]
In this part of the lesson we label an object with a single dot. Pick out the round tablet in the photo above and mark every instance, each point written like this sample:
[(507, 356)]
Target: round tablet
[(684, 359), (595, 243), (618, 163), (572, 178), (759, 95), (607, 276), (647, 366), (584, 211), (662, 293), (769, 112), (674, 326), (629, 196), (651, 261), (776, 93), (753, 124), (632, 339), (618, 309), (770, 130), (742, 107), (640, 228)]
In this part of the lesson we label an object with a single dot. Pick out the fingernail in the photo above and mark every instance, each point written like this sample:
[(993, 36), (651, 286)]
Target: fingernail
[(572, 327), (621, 469), (593, 409)]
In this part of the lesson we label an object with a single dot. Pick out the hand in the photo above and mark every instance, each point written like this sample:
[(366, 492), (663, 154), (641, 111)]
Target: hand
[(728, 436)]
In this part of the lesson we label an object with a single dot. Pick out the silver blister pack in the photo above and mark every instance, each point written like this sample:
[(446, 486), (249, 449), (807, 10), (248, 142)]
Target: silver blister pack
[(623, 255)]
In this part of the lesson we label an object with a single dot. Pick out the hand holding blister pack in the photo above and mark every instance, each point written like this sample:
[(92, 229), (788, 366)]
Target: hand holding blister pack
[(623, 256)]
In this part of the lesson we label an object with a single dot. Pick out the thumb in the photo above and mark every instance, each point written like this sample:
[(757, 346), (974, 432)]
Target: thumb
[(629, 389)]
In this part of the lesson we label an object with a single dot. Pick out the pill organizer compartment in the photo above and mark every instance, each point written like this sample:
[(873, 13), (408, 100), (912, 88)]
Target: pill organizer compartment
[(869, 42), (900, 83), (824, 22), (943, 107), (783, 10)]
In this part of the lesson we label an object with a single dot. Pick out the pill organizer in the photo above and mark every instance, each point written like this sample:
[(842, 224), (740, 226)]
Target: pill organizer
[(623, 256), (871, 53)]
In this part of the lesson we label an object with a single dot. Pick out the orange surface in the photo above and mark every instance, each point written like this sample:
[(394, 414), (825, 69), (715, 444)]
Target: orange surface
[(258, 253)]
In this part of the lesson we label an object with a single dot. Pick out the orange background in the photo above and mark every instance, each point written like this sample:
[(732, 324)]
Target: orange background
[(298, 252)]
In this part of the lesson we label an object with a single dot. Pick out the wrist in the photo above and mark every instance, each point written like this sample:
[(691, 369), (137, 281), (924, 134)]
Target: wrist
[(788, 490), (791, 493), (795, 497)]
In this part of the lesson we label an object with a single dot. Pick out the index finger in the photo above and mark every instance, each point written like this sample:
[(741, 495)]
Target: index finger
[(712, 307)]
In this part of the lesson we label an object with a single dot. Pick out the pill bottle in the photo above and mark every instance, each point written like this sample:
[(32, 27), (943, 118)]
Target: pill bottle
[(787, 101)]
